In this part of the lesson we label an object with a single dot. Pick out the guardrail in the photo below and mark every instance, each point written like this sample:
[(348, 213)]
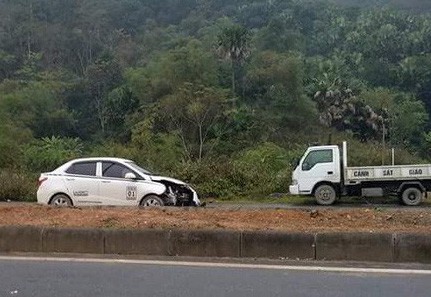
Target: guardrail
[(378, 247)]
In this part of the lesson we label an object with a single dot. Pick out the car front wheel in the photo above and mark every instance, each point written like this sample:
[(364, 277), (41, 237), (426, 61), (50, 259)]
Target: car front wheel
[(152, 201)]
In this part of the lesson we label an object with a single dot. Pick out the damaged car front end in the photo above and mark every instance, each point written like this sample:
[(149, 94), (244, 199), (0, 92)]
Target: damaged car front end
[(177, 192)]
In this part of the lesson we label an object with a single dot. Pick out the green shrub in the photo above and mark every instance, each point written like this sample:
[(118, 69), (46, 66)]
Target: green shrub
[(48, 153), (218, 187), (160, 154), (264, 169), (17, 186), (372, 153), (259, 171), (113, 149), (210, 177)]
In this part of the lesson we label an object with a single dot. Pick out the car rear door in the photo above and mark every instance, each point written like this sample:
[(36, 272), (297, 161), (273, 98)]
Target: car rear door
[(82, 183)]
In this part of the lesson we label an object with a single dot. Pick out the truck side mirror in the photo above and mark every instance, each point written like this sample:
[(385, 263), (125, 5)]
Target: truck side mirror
[(305, 166)]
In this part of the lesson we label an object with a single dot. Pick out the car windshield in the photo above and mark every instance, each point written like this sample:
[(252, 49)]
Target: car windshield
[(138, 168)]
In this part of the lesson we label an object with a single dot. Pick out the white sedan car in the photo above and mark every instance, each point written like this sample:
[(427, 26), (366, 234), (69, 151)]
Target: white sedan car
[(111, 181)]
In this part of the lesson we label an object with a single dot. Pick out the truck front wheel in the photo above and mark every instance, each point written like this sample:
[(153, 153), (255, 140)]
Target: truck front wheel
[(412, 196), (325, 195)]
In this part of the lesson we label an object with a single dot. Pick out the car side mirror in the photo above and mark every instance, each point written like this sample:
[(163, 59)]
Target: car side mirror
[(130, 175), (305, 166)]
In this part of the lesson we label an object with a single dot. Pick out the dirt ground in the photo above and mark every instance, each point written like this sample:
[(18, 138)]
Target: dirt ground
[(304, 220)]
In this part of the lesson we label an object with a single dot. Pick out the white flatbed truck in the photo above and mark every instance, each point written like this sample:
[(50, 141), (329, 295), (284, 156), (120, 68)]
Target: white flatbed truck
[(323, 172)]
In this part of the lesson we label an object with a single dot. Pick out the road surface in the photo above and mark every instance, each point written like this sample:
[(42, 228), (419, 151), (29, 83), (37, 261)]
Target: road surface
[(35, 277)]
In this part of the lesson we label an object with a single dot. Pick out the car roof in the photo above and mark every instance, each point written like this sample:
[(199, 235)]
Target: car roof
[(66, 165), (99, 159)]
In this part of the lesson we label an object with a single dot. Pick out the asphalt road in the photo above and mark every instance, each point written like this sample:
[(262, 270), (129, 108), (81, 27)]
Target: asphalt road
[(37, 278)]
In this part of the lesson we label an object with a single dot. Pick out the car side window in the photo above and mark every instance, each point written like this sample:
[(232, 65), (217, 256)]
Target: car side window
[(115, 170), (316, 157), (83, 168)]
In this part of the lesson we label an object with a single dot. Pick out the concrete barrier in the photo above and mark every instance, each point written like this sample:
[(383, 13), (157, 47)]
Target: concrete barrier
[(277, 245), (20, 239), (138, 242), (379, 247), (413, 248), (199, 243), (355, 246), (89, 241)]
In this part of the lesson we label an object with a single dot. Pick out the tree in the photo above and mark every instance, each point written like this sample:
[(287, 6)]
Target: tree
[(7, 65), (280, 36), (414, 75), (120, 104), (38, 106), (408, 122), (189, 62), (193, 111), (103, 76), (233, 44), (341, 109), (275, 90), (12, 138), (406, 116)]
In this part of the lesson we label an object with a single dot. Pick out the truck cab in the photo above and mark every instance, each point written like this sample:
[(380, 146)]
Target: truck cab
[(320, 166)]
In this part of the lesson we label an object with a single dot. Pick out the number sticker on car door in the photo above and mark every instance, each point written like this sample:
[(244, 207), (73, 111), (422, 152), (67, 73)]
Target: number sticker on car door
[(131, 192)]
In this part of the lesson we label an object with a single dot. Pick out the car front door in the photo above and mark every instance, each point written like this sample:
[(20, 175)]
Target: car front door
[(115, 189), (82, 183)]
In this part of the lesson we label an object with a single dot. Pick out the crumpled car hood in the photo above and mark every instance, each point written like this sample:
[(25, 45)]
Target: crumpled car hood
[(158, 178), (168, 179)]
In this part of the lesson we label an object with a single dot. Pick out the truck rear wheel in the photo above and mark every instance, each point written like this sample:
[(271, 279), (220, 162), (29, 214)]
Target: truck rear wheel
[(412, 196), (325, 195)]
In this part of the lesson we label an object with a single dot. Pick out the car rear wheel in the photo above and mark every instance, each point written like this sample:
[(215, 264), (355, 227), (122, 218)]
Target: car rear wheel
[(61, 200), (152, 201)]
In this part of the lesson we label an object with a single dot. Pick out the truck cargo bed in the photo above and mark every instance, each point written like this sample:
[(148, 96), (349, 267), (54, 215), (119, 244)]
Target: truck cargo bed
[(397, 172)]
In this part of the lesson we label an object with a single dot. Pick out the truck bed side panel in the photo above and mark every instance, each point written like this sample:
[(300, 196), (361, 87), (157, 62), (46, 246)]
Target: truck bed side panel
[(398, 172)]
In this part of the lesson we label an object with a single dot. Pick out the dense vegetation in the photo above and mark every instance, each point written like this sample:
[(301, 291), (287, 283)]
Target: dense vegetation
[(222, 93)]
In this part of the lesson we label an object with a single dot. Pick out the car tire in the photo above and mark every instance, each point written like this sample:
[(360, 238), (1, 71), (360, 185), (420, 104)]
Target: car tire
[(152, 201), (325, 195), (61, 200), (412, 196)]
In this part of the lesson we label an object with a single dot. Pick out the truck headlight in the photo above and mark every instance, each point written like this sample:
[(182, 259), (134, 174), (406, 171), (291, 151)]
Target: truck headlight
[(294, 182)]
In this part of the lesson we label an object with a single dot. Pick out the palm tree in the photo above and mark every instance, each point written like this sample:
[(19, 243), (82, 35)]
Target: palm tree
[(233, 45)]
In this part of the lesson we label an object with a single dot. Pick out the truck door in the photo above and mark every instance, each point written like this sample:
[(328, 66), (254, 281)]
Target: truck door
[(318, 165)]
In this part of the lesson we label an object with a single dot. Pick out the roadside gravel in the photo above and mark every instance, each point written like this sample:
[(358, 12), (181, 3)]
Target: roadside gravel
[(305, 219)]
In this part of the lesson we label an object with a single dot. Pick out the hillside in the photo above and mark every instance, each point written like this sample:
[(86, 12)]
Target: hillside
[(412, 5), (223, 94)]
